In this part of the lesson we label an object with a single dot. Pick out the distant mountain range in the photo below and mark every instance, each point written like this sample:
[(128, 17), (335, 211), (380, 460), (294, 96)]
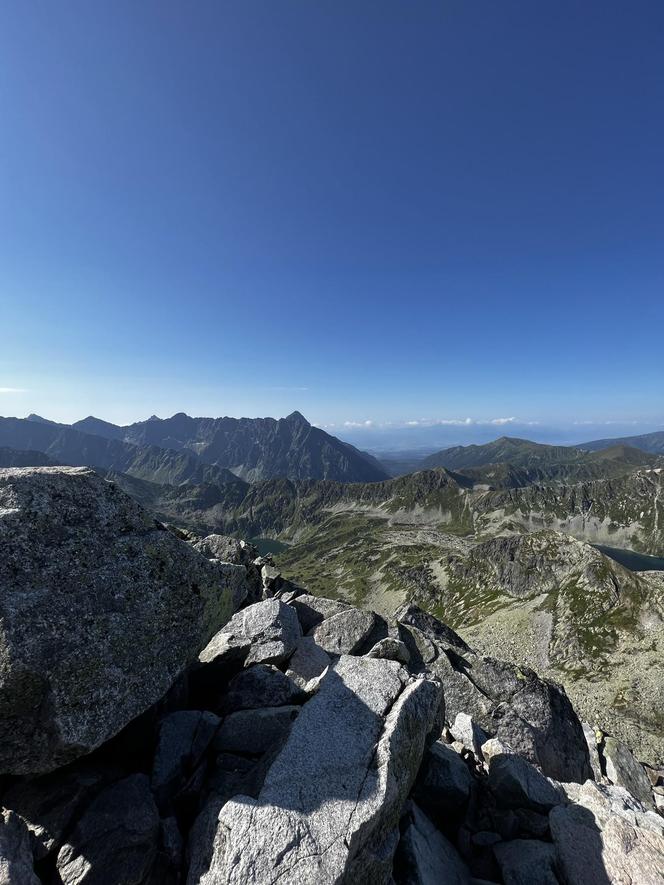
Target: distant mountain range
[(506, 450), (523, 453), (20, 458), (647, 442), (197, 450)]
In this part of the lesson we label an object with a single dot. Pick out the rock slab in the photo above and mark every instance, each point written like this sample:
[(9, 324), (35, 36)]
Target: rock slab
[(101, 608), (332, 797)]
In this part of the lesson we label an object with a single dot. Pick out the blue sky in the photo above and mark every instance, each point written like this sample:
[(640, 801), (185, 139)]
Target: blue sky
[(369, 211)]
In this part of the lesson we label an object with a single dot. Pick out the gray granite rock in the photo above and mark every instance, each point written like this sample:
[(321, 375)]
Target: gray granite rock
[(115, 841), (527, 862), (168, 861), (516, 783), (226, 549), (591, 737), (425, 856), (266, 632), (308, 663), (231, 550), (608, 836), (201, 841), (516, 732), (535, 712), (311, 610), (444, 783), (333, 796), (101, 609), (345, 632), (443, 636), (469, 733), (16, 866), (48, 804), (232, 775), (623, 770), (254, 731), (532, 824), (179, 762), (262, 685), (391, 649), (494, 747)]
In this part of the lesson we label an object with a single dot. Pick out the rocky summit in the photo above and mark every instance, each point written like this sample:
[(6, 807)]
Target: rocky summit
[(101, 609), (175, 712)]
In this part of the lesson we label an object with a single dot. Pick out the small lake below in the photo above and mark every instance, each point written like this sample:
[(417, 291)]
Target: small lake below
[(269, 545), (635, 562)]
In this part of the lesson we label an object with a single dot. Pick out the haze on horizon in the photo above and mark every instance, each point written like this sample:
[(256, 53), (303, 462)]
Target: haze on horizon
[(391, 220)]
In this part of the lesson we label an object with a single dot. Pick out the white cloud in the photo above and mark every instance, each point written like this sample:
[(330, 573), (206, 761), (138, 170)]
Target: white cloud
[(502, 420), (12, 390), (367, 423)]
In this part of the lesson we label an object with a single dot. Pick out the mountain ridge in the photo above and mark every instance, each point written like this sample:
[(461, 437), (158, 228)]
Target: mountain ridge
[(192, 449), (647, 442), (253, 448)]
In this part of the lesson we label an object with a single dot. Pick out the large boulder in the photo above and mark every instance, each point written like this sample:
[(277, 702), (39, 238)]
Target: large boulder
[(263, 633), (255, 731), (308, 663), (607, 835), (311, 610), (345, 632), (517, 784), (262, 685), (331, 800), (100, 609), (527, 861), (425, 856), (623, 770), (532, 715), (444, 783)]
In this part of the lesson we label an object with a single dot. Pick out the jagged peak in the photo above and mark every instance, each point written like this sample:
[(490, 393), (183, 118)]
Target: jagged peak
[(38, 419), (297, 418)]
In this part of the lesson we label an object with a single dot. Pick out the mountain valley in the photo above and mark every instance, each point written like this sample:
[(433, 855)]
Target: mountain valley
[(500, 547)]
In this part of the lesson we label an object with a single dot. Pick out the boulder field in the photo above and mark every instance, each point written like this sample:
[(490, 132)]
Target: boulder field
[(173, 713)]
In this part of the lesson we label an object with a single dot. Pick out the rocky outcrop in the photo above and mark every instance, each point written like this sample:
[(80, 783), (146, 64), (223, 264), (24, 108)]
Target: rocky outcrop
[(361, 777), (509, 702), (264, 633), (101, 609), (623, 770), (607, 836), (393, 756), (335, 792)]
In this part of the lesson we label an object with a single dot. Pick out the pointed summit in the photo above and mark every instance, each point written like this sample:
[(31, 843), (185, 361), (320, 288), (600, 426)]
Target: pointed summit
[(98, 427), (37, 419), (296, 418)]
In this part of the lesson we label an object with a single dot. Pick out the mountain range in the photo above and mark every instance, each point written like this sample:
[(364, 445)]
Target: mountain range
[(183, 449)]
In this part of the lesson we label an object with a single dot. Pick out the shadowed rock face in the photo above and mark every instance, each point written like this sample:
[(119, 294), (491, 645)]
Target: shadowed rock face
[(100, 609)]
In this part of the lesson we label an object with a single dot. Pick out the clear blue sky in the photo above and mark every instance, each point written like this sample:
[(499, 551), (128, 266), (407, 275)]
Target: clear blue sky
[(383, 211)]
